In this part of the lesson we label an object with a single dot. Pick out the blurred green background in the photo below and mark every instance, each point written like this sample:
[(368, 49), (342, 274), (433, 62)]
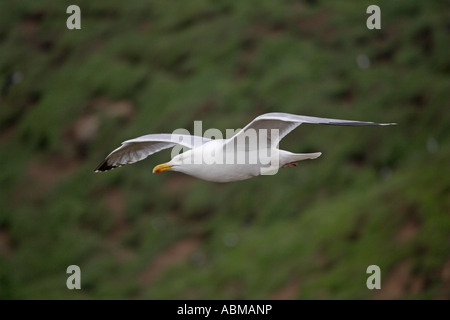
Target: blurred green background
[(378, 195)]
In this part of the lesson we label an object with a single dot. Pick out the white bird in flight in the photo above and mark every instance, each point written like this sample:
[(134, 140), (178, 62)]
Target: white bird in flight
[(226, 160)]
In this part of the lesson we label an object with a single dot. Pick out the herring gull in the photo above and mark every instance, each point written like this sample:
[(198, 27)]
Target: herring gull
[(250, 152)]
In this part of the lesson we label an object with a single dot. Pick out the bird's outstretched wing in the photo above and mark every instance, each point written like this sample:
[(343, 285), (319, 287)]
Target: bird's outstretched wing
[(138, 149), (285, 123)]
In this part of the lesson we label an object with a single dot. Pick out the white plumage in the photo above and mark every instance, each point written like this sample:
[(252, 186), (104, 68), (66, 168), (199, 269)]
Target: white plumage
[(223, 160)]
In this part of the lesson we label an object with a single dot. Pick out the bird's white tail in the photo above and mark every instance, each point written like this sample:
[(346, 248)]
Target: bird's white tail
[(305, 156)]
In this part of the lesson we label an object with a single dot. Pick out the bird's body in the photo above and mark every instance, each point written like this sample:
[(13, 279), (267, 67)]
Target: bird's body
[(251, 152), (217, 169), (203, 169)]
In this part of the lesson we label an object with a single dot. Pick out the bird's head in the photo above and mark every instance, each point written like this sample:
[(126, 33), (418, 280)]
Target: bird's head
[(176, 164)]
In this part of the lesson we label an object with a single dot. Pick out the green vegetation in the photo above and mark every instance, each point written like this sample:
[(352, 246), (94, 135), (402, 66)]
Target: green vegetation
[(376, 196)]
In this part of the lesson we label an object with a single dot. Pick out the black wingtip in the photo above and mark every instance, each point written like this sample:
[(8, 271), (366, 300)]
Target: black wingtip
[(104, 166)]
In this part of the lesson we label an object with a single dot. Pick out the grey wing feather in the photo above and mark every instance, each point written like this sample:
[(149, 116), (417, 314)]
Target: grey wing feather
[(285, 123), (138, 149)]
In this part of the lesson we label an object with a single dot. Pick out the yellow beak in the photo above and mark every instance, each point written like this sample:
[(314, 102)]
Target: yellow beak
[(162, 167)]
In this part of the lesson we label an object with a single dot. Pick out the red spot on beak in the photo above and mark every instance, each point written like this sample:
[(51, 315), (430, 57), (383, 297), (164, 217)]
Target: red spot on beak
[(158, 171)]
